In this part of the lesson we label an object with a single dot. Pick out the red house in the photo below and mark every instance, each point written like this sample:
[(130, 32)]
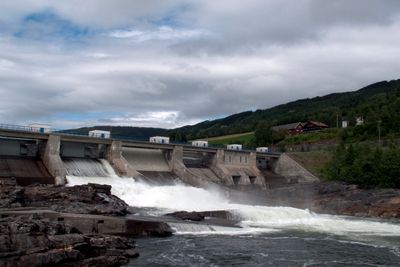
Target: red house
[(310, 126), (300, 127), (291, 128)]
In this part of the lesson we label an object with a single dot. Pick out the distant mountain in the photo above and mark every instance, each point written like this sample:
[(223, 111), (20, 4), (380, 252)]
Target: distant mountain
[(378, 101), (123, 132)]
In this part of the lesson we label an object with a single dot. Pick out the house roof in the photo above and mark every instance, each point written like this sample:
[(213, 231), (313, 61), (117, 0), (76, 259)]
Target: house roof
[(317, 123), (286, 126)]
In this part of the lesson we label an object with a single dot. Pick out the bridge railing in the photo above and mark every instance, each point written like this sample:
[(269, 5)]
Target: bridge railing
[(15, 127)]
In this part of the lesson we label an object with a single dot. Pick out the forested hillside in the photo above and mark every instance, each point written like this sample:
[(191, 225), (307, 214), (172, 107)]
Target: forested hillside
[(376, 103)]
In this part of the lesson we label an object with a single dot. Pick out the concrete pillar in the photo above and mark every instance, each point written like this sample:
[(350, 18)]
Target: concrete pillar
[(253, 159), (176, 156), (118, 162), (218, 167), (175, 161), (52, 160)]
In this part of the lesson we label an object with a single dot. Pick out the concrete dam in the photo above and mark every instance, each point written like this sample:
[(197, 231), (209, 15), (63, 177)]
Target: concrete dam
[(50, 158)]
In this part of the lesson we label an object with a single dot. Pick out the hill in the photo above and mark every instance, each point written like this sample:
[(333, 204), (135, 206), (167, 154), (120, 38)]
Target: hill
[(378, 102), (123, 132)]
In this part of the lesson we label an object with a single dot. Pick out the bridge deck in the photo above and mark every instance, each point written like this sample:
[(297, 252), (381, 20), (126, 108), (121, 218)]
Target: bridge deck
[(15, 134)]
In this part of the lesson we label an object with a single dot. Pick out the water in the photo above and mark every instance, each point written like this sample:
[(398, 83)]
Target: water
[(87, 167), (275, 249), (269, 236)]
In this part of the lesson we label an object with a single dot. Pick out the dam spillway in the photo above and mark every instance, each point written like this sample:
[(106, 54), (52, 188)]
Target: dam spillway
[(85, 167)]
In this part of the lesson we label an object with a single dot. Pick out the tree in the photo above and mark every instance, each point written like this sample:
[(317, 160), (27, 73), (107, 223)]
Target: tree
[(263, 134)]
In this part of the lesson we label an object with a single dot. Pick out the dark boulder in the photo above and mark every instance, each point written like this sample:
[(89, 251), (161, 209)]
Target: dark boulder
[(200, 215), (190, 216)]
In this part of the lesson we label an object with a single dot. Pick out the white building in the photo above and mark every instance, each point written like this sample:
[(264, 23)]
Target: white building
[(200, 143), (100, 134), (359, 121), (159, 139), (40, 127), (234, 147), (263, 149)]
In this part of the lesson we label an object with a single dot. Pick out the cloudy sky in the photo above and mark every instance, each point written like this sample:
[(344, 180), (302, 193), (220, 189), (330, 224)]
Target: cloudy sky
[(168, 63)]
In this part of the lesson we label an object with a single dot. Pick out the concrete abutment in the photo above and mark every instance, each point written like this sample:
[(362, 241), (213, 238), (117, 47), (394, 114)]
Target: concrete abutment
[(52, 160)]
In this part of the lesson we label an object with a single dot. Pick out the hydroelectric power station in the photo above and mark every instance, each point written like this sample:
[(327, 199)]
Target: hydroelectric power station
[(45, 157)]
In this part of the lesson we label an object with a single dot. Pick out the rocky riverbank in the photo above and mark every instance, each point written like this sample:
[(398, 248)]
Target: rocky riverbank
[(83, 199), (339, 199), (47, 225), (34, 241)]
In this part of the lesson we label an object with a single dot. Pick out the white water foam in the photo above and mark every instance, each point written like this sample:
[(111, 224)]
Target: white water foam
[(253, 219)]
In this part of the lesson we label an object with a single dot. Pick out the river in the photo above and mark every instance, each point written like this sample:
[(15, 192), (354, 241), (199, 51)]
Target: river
[(268, 236)]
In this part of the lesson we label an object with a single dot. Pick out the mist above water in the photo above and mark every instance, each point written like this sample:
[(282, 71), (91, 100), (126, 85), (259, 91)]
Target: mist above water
[(253, 219)]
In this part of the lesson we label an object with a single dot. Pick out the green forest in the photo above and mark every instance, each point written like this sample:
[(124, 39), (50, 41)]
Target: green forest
[(366, 166)]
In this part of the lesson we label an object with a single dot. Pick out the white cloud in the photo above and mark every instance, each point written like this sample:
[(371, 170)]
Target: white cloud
[(164, 119), (163, 33)]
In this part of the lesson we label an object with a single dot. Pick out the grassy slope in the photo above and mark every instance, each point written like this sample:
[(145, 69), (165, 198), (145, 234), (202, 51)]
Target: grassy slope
[(312, 137), (313, 161), (231, 139)]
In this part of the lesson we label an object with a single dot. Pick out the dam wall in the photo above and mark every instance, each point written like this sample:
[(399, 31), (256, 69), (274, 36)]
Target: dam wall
[(67, 155), (237, 168), (70, 149), (20, 158), (175, 160), (142, 159), (118, 162)]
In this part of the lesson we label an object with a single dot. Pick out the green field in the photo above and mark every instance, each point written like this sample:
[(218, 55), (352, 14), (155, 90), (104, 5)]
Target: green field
[(243, 138), (312, 137)]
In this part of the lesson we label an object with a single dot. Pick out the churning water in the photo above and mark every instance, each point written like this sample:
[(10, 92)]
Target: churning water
[(274, 236)]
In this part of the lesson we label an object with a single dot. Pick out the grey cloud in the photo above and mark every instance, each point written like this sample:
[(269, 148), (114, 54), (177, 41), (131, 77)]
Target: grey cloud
[(254, 54), (247, 26)]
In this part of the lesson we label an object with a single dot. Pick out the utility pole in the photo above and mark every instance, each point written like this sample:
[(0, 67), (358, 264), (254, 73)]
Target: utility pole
[(337, 120), (379, 132)]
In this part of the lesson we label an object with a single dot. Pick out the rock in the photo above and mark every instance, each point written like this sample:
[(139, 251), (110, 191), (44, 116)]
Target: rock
[(184, 215), (338, 198), (200, 215), (148, 228), (89, 199), (33, 241)]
